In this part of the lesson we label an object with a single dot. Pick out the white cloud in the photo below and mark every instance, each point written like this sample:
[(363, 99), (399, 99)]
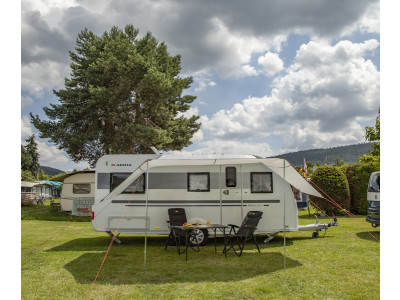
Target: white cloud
[(26, 129), (26, 101), (45, 6), (202, 81), (235, 49), (216, 146), (248, 70), (193, 110), (320, 101), (78, 166), (368, 22), (197, 137), (50, 155), (271, 63), (45, 75)]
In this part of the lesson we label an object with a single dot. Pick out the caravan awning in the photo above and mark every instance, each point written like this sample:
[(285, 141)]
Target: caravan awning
[(278, 165), (55, 184)]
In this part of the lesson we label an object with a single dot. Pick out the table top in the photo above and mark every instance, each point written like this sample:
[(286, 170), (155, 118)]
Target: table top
[(202, 226)]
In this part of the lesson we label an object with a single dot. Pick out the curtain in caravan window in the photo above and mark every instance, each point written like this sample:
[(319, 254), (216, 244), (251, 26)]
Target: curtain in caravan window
[(261, 182), (198, 182), (81, 188)]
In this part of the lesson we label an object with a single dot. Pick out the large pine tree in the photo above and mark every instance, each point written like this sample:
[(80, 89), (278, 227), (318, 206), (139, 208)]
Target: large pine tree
[(124, 95)]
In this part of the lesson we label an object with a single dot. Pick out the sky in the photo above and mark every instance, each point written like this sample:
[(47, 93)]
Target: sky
[(270, 77)]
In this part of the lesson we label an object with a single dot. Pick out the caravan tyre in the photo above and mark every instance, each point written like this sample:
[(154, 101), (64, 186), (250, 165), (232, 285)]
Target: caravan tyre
[(202, 237)]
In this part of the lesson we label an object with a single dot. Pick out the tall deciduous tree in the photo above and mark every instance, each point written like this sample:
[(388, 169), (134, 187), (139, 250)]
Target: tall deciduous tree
[(32, 151), (124, 95), (373, 134)]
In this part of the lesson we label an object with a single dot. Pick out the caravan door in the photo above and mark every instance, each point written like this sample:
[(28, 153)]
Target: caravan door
[(231, 194)]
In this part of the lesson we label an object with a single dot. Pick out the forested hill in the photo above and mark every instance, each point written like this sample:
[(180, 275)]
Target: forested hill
[(51, 171), (349, 154)]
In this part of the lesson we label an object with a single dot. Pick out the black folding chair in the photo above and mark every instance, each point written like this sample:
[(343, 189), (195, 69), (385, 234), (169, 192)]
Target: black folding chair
[(243, 233), (177, 217)]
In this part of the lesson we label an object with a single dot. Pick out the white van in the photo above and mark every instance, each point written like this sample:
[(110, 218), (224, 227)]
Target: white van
[(373, 199)]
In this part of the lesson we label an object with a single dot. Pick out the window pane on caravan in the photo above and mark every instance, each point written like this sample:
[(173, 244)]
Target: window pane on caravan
[(261, 182), (82, 188), (118, 178), (198, 182), (230, 176)]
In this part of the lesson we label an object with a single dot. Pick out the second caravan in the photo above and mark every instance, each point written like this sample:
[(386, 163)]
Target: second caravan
[(77, 185), (134, 192)]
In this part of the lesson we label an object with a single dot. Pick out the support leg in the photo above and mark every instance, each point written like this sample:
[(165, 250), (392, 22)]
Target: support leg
[(118, 241), (255, 242)]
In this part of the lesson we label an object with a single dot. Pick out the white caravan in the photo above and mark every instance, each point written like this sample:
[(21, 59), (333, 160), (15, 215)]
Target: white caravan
[(77, 185), (133, 193)]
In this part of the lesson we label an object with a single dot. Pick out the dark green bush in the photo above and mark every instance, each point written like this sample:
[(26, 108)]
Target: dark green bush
[(334, 183), (358, 176)]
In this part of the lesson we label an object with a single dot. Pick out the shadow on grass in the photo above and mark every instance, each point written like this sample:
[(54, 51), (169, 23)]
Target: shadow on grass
[(366, 235), (137, 241), (125, 263), (126, 266), (84, 244), (102, 243)]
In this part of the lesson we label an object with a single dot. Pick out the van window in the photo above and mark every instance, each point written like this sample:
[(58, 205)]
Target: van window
[(198, 182), (261, 182), (118, 178), (374, 183), (81, 188), (230, 176)]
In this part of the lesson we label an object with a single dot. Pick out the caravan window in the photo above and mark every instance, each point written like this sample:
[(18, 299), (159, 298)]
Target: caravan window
[(230, 176), (25, 189), (118, 178), (261, 182), (198, 182), (81, 188)]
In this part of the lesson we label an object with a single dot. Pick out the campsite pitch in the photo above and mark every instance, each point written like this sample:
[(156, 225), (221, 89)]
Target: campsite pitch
[(342, 265)]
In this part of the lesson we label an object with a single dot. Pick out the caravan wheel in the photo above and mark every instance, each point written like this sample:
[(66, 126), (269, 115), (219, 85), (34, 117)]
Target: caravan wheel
[(202, 237)]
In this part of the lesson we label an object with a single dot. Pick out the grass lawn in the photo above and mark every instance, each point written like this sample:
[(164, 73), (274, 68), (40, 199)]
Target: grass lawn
[(342, 265)]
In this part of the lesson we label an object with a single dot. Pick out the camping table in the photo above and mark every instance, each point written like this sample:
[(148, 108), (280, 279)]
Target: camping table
[(213, 227)]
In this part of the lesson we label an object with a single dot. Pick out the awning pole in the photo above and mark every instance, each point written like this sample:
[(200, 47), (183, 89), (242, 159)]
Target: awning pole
[(220, 194), (284, 214), (241, 191), (146, 221)]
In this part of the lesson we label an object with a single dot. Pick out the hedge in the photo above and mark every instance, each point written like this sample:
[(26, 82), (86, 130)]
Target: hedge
[(334, 183), (358, 177)]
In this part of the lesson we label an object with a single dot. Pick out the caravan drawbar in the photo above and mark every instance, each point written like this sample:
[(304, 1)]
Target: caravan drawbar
[(134, 191)]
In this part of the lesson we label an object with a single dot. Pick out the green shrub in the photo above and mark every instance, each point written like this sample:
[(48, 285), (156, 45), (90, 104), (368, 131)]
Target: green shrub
[(342, 169), (334, 183), (358, 176)]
